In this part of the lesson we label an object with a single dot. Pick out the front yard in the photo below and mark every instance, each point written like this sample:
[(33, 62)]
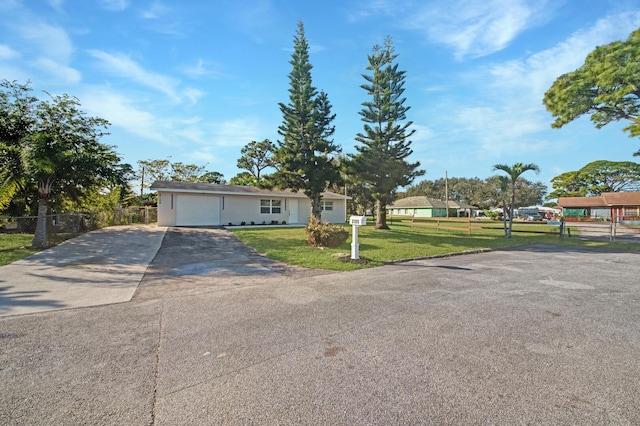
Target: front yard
[(15, 247), (403, 241)]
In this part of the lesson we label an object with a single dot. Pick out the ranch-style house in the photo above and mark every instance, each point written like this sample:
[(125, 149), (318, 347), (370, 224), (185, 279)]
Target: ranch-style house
[(207, 204)]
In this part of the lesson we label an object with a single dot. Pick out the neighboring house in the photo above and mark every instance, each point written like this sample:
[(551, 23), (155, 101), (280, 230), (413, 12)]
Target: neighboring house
[(623, 206), (208, 204), (421, 206)]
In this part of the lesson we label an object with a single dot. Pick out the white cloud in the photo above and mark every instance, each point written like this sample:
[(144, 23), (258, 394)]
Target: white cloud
[(64, 73), (115, 5), (185, 135), (52, 42), (7, 53), (470, 28), (368, 8), (533, 75), (193, 95), (237, 132), (423, 133), (55, 50), (202, 69), (123, 66), (476, 28), (123, 112), (197, 70), (156, 11), (56, 5), (507, 117)]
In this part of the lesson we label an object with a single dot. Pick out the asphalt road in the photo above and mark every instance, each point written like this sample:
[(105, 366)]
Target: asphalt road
[(217, 334)]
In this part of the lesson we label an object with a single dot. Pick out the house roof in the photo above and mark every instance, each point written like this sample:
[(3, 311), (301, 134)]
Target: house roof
[(425, 202), (622, 198), (581, 202), (214, 188), (607, 199)]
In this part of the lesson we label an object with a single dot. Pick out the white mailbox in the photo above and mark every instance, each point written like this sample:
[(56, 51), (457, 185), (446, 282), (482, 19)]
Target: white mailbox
[(358, 220), (355, 222)]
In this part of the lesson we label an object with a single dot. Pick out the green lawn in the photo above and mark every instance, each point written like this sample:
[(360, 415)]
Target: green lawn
[(403, 241), (15, 247)]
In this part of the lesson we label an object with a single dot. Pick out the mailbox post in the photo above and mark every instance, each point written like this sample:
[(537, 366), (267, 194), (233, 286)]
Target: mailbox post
[(356, 221)]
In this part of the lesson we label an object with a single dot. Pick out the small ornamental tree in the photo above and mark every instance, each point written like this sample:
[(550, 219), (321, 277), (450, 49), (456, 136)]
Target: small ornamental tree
[(324, 234)]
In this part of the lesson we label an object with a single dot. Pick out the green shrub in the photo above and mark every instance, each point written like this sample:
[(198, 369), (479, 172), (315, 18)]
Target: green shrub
[(324, 234)]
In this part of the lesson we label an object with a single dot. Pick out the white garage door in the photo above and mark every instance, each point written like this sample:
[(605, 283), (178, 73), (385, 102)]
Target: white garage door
[(197, 210)]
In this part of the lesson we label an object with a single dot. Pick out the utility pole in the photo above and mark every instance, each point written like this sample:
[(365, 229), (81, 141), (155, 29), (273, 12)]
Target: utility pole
[(142, 182)]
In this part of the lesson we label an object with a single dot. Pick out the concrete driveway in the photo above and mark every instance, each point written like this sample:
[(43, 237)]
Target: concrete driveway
[(217, 334), (96, 268)]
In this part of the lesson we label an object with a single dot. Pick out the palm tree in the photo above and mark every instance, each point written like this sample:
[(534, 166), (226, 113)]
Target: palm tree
[(513, 174), (504, 190)]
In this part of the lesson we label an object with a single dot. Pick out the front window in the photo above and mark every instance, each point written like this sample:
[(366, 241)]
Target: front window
[(270, 206), (327, 206)]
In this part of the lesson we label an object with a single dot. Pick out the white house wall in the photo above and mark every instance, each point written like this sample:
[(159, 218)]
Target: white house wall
[(241, 208), (236, 209), (337, 215)]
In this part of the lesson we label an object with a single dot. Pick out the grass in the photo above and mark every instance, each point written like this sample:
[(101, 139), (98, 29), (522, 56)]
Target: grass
[(15, 247), (404, 241), (18, 246)]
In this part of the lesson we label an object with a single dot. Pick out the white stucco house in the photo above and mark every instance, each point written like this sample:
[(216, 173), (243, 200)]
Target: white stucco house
[(208, 204)]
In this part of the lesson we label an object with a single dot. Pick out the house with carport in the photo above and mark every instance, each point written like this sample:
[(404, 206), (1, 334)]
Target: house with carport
[(208, 204), (624, 207)]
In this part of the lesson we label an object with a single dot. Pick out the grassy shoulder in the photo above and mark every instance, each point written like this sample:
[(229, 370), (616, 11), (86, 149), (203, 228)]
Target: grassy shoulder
[(18, 246), (404, 241), (15, 247)]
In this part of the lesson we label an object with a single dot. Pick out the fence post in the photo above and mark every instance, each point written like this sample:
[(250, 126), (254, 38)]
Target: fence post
[(612, 231)]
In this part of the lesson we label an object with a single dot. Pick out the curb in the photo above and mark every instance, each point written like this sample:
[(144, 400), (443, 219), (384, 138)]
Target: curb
[(438, 256)]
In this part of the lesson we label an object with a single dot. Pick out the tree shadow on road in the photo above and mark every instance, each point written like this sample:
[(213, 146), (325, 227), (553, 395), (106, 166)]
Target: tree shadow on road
[(11, 299)]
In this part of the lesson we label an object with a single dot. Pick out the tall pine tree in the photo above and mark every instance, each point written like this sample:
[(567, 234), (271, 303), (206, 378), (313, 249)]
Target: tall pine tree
[(381, 161), (304, 157)]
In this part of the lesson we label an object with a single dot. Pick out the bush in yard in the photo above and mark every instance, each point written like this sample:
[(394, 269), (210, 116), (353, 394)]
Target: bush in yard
[(324, 234)]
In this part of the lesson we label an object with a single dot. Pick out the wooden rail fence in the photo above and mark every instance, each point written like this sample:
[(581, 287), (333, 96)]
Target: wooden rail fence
[(463, 224)]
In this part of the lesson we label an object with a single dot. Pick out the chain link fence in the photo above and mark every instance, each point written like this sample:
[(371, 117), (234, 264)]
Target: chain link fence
[(59, 227)]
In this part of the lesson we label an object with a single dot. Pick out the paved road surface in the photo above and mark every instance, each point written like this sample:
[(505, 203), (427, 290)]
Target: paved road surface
[(217, 334)]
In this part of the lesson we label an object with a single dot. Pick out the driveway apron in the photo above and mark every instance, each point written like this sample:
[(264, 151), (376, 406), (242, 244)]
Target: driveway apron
[(97, 268)]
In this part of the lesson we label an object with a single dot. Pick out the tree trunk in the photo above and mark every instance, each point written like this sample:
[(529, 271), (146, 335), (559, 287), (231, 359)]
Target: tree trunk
[(40, 236), (513, 203), (381, 215), (504, 219), (316, 206)]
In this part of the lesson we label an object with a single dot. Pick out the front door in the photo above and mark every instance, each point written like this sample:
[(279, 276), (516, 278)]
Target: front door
[(294, 211)]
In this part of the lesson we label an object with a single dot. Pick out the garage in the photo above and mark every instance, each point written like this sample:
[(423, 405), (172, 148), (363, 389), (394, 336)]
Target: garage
[(197, 210)]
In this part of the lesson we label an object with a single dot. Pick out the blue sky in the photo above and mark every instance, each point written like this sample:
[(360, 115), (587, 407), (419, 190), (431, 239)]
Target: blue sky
[(198, 80)]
